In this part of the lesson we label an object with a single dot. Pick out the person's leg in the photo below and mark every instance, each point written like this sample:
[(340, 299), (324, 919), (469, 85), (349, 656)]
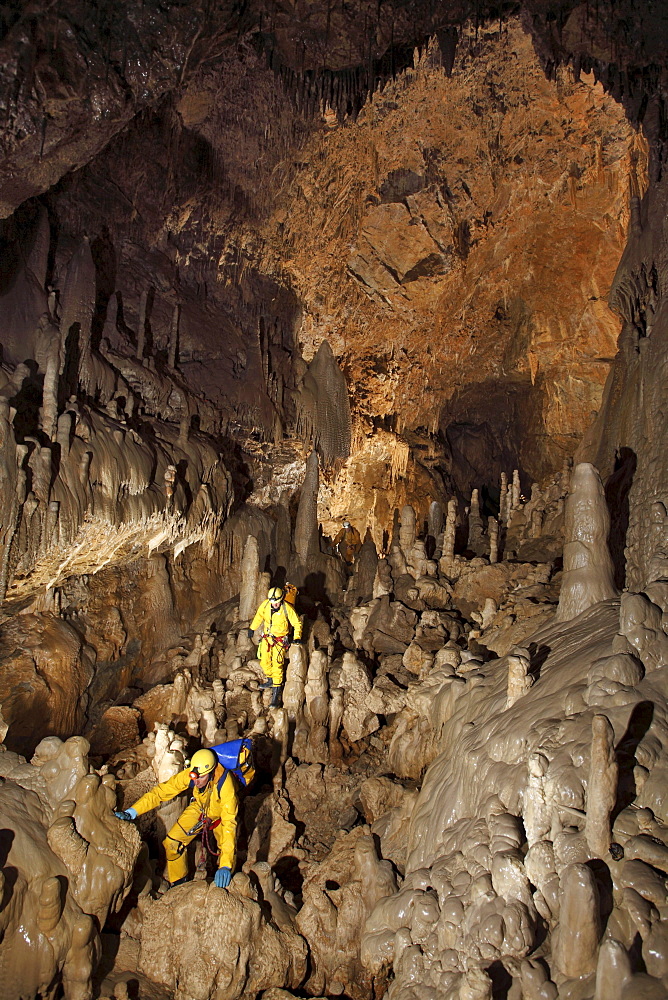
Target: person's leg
[(277, 661), (176, 842), (265, 657)]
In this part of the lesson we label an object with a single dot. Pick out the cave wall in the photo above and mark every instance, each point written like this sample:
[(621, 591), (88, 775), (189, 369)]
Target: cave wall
[(627, 439)]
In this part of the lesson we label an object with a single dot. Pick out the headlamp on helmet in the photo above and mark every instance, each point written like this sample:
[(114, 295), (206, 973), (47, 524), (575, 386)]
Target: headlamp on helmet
[(203, 762)]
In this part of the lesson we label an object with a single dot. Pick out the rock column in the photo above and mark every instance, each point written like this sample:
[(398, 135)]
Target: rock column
[(601, 786), (588, 573)]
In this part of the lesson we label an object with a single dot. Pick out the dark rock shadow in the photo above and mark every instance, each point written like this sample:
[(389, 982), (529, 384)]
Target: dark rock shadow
[(501, 980), (538, 655), (601, 873), (617, 489), (638, 725)]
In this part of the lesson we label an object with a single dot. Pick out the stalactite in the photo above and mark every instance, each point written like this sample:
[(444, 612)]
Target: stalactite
[(323, 407), (306, 525)]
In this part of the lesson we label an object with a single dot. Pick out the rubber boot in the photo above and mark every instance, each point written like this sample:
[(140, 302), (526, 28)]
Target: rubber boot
[(275, 697)]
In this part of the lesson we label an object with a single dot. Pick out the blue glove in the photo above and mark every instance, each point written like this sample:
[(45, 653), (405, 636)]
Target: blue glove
[(223, 878), (127, 814)]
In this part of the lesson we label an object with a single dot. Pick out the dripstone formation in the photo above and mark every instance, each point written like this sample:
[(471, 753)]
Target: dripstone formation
[(357, 309)]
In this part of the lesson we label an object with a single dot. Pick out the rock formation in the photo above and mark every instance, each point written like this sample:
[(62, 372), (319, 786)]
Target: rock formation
[(265, 266), (588, 575)]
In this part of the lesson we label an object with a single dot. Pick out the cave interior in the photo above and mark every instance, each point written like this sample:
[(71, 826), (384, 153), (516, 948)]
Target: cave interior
[(268, 269)]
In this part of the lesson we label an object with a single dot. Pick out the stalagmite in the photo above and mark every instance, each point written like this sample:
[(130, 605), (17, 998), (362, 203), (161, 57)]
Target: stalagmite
[(536, 523), (576, 948), (358, 721), (295, 682), (493, 533), (407, 531), (450, 530), (537, 813), (317, 707), (475, 540), (588, 574), (281, 741), (50, 906), (49, 335), (601, 786), (515, 490), (335, 720), (434, 529), (519, 678), (417, 561), (503, 499), (250, 571), (613, 970), (64, 432)]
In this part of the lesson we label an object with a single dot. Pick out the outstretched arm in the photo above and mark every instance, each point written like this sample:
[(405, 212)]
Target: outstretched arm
[(163, 792)]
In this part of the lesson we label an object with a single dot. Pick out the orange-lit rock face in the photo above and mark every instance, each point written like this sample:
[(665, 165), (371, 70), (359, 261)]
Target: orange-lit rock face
[(456, 246)]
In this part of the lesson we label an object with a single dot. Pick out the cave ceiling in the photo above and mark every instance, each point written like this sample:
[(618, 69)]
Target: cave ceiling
[(440, 191)]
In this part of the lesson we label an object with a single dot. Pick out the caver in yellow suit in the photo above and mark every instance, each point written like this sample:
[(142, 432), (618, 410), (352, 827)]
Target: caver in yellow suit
[(276, 616), (213, 806)]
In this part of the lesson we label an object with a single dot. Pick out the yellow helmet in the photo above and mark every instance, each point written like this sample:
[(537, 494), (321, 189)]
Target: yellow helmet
[(275, 594), (203, 762)]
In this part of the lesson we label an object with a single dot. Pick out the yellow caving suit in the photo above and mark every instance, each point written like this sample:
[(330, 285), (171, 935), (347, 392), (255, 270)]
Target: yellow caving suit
[(218, 806), (274, 644)]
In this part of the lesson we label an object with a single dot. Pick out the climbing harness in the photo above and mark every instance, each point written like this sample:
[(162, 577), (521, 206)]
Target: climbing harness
[(276, 640), (205, 826)]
